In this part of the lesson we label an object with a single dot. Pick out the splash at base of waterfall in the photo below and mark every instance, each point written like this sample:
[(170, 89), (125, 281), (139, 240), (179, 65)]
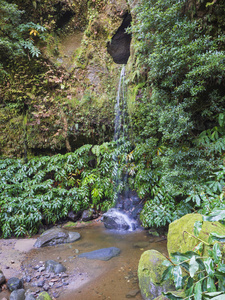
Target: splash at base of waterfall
[(116, 219)]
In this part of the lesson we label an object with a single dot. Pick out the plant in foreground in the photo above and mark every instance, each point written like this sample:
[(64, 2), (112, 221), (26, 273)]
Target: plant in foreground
[(200, 276)]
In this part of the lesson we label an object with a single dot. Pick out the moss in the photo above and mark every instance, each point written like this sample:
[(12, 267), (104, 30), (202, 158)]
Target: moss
[(44, 296), (70, 225), (150, 271), (181, 231)]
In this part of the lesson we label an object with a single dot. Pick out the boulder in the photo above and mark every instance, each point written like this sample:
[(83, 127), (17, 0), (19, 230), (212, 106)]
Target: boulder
[(88, 214), (150, 271), (180, 234), (17, 295), (2, 277), (115, 219), (101, 254), (55, 236), (43, 296), (74, 216), (55, 267), (14, 284)]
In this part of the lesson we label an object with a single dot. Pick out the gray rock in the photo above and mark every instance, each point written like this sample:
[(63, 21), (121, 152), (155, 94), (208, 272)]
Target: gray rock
[(101, 254), (14, 284), (17, 295), (116, 219), (55, 236), (74, 216), (87, 214), (29, 297), (132, 294), (55, 267), (2, 277)]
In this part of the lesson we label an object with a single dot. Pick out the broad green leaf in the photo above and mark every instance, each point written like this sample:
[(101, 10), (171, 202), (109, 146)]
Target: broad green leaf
[(213, 294), (211, 285), (197, 228), (221, 268), (166, 263), (172, 295), (198, 291), (199, 248), (220, 297), (216, 237), (167, 273), (216, 215), (177, 274), (209, 266), (216, 253), (189, 283), (201, 264), (193, 266), (221, 284), (178, 257)]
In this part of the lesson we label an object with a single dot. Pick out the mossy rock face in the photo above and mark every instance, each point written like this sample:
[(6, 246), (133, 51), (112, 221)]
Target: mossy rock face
[(180, 233), (150, 270)]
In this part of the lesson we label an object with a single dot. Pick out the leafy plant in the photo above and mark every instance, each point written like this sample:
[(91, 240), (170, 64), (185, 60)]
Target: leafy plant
[(201, 277)]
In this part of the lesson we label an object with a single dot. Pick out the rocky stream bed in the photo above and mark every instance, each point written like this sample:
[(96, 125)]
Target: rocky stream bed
[(83, 278)]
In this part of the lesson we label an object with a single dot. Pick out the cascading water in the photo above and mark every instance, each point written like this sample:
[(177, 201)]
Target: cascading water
[(119, 218)]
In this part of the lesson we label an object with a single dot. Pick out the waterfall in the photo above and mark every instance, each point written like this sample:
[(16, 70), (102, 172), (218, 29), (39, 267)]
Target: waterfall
[(118, 218), (120, 135)]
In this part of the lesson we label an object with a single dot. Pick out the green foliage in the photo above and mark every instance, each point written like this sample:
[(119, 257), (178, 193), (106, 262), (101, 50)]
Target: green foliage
[(15, 36), (201, 277), (45, 189), (178, 121)]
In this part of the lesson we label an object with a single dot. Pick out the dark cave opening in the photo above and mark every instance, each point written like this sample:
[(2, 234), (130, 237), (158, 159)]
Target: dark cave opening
[(119, 46)]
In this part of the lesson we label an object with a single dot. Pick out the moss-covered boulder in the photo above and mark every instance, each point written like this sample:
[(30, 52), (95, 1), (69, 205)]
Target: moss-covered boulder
[(181, 233), (44, 296), (150, 270)]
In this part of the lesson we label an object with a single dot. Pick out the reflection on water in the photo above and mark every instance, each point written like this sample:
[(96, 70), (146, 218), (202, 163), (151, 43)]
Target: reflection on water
[(94, 279)]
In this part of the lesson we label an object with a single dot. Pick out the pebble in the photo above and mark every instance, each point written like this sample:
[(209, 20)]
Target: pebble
[(46, 287), (55, 295), (40, 283), (41, 269), (132, 293)]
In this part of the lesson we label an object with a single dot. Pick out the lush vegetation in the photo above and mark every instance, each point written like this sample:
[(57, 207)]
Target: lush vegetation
[(179, 114), (174, 156), (200, 275)]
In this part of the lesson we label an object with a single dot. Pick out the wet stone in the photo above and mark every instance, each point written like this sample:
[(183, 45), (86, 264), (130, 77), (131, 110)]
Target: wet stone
[(46, 287), (14, 284), (101, 254), (41, 269), (132, 294), (30, 297), (17, 295), (40, 283), (55, 267), (56, 236), (55, 295), (2, 277)]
